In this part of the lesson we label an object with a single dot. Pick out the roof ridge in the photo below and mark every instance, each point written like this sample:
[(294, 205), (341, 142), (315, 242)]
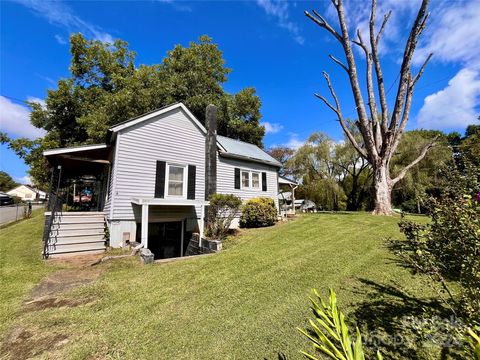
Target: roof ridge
[(241, 141)]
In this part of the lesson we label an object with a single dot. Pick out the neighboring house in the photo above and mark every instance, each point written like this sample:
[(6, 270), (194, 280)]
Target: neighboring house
[(28, 193), (154, 176)]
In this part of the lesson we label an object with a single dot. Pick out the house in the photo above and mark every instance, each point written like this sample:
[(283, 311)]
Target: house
[(150, 182), (28, 193)]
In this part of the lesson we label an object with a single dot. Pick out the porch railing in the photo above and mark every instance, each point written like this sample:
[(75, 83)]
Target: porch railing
[(55, 203)]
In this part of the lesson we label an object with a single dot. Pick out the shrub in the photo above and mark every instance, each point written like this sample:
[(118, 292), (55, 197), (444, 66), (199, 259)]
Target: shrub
[(448, 248), (258, 212), (221, 212)]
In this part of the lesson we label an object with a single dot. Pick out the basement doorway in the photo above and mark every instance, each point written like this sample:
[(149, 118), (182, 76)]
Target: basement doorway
[(165, 239)]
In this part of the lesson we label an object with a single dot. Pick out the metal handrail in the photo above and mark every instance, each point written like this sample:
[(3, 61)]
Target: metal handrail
[(53, 206)]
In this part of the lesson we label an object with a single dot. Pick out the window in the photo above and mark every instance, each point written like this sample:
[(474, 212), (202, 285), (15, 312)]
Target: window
[(251, 180), (176, 180), (245, 179), (255, 180)]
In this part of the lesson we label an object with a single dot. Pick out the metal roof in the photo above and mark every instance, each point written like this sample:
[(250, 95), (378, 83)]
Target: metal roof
[(74, 149), (240, 149), (284, 180)]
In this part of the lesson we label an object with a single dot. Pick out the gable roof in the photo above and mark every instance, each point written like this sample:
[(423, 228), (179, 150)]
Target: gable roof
[(228, 147), (240, 149)]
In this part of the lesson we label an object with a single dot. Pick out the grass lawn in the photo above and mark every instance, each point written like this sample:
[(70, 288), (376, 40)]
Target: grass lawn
[(243, 303)]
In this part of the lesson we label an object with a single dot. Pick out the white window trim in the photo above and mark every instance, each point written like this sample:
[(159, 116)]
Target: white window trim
[(167, 180), (250, 180)]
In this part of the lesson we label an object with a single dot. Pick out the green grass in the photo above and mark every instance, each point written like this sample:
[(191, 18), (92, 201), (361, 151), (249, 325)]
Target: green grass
[(243, 303), (21, 264)]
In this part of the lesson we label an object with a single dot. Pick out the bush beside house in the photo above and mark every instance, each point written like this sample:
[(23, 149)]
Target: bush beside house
[(258, 212), (222, 211)]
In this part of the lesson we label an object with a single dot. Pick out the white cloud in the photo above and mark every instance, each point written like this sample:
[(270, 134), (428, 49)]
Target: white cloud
[(176, 5), (41, 102), (60, 39), (26, 180), (272, 128), (280, 10), (59, 14), (294, 142), (453, 36), (454, 106), (15, 120)]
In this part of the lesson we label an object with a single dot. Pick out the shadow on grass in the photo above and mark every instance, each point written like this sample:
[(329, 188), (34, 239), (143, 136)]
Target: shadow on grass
[(393, 322)]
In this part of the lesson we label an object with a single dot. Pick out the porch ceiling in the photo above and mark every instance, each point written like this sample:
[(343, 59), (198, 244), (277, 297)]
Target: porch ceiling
[(80, 160)]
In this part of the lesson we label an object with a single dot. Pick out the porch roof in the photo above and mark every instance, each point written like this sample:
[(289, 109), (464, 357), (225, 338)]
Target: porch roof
[(285, 181), (80, 160), (169, 202)]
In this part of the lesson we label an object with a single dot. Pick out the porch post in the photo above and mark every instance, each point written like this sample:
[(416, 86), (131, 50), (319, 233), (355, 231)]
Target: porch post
[(144, 235), (202, 224)]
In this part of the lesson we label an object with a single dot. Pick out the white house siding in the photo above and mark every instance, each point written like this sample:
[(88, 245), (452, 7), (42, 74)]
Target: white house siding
[(171, 137), (226, 179)]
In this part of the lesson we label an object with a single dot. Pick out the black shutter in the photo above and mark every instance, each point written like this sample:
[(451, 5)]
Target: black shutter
[(264, 181), (192, 170), (160, 180), (237, 178)]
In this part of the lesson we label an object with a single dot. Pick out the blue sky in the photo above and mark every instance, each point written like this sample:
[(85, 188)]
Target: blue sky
[(269, 44)]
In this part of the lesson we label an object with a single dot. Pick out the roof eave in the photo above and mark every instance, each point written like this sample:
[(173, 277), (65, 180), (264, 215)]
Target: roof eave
[(240, 157)]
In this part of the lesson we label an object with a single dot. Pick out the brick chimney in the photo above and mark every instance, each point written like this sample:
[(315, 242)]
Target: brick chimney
[(211, 151)]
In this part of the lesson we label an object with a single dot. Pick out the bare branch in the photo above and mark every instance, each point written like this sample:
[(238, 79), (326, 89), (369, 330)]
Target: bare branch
[(338, 111), (320, 21), (372, 104), (414, 162), (378, 69), (385, 20), (422, 69), (406, 113), (335, 60), (334, 109), (364, 127), (418, 26)]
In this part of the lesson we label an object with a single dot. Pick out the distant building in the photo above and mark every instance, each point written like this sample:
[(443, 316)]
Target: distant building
[(28, 193)]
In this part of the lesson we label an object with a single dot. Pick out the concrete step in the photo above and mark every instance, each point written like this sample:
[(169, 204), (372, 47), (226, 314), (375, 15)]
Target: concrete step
[(75, 248), (76, 232), (77, 240), (78, 226), (82, 213), (85, 218)]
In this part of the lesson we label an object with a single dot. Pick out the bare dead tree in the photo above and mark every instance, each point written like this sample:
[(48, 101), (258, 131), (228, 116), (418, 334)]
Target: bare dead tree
[(382, 130)]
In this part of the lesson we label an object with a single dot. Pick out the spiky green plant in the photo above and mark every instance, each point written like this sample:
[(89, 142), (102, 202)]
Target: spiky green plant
[(475, 343), (329, 334)]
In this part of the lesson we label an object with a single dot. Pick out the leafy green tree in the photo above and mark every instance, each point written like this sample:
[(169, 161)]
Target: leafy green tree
[(424, 177), (354, 171), (106, 88), (315, 166), (6, 182), (282, 154)]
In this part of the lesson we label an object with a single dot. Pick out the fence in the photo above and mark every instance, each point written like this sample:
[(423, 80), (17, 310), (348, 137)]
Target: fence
[(15, 212)]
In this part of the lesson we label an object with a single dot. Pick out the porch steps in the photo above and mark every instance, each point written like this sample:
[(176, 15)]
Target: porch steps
[(77, 233)]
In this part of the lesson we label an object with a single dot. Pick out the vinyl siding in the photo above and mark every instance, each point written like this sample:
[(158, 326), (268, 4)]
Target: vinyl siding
[(108, 202), (226, 178), (171, 137)]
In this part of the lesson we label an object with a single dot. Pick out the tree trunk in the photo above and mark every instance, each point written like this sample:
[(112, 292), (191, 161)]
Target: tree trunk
[(383, 190)]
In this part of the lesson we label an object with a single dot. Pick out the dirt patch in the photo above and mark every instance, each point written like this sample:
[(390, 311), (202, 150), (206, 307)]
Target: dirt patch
[(77, 260), (22, 344), (53, 302), (25, 343), (64, 280)]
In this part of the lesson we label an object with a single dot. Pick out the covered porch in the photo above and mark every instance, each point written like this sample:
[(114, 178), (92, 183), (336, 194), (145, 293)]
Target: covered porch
[(286, 196), (79, 177), (166, 226)]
